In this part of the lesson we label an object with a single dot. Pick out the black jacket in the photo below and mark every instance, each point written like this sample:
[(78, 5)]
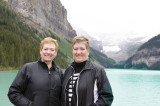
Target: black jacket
[(89, 74), (36, 85)]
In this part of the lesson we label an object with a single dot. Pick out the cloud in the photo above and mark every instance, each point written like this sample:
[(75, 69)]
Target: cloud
[(111, 48), (119, 17)]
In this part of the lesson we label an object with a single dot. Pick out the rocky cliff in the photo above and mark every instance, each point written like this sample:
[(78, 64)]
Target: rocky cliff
[(147, 56), (44, 14)]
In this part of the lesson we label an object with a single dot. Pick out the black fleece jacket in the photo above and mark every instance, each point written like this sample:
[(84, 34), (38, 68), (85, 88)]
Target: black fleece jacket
[(85, 86), (36, 85)]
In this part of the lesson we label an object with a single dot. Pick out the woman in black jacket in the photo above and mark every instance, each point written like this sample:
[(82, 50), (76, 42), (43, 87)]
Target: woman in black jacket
[(38, 83), (85, 83)]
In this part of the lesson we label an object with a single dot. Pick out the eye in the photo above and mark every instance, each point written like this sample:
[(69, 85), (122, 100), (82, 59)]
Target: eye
[(52, 50), (75, 49), (45, 49), (82, 48)]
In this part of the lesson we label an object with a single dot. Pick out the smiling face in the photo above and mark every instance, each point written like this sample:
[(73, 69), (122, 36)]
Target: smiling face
[(48, 52), (80, 52)]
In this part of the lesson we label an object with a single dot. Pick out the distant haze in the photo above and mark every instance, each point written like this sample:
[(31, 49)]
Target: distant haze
[(115, 21)]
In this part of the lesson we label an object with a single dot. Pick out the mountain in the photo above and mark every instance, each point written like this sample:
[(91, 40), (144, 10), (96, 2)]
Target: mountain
[(120, 47), (97, 45), (19, 42), (44, 14), (127, 49), (147, 56)]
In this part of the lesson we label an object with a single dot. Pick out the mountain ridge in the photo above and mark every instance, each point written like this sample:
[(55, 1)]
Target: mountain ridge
[(147, 56)]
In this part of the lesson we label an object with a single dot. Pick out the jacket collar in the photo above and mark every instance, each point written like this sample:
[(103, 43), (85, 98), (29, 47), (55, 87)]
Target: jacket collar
[(45, 65), (88, 65)]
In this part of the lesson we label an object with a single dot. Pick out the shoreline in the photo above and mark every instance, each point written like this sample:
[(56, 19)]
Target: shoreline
[(8, 68)]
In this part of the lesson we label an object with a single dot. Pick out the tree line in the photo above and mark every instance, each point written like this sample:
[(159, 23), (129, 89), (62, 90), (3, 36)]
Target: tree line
[(19, 43)]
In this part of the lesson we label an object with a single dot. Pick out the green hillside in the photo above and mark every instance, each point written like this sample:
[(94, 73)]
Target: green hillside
[(102, 59), (19, 43)]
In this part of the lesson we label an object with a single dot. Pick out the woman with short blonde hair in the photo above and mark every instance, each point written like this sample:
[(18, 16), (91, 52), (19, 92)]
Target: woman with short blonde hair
[(38, 83), (85, 83)]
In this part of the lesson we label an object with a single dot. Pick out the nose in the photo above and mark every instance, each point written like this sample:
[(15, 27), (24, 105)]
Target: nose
[(48, 51), (78, 51)]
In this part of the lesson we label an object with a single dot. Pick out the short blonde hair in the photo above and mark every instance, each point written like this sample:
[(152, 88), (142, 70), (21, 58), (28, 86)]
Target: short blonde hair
[(49, 40), (81, 39)]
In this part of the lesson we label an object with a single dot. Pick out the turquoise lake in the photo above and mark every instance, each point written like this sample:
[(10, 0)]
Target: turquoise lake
[(130, 87)]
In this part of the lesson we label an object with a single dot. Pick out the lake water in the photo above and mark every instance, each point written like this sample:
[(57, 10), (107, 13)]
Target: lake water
[(130, 87)]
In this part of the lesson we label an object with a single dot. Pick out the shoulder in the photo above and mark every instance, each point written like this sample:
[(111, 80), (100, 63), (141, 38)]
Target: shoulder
[(31, 64), (28, 66), (58, 69), (98, 69), (68, 69), (96, 66)]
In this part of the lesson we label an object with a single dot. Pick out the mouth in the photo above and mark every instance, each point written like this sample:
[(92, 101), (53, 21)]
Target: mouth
[(78, 56), (47, 56)]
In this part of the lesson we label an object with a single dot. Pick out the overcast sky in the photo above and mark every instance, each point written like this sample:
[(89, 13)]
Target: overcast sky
[(124, 16), (115, 17)]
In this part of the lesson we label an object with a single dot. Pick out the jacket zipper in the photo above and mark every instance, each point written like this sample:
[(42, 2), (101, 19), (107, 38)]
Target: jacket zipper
[(49, 73), (66, 85), (77, 86), (77, 89)]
